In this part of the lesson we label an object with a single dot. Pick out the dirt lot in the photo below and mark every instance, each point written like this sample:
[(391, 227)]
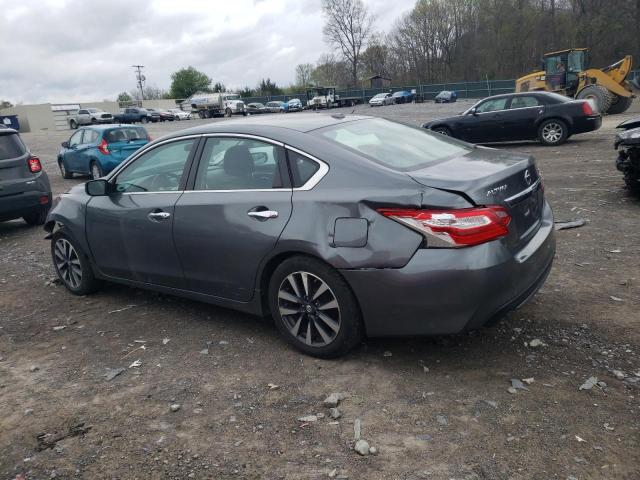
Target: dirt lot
[(435, 408)]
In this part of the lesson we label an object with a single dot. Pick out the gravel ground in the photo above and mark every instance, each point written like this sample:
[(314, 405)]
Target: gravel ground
[(218, 394)]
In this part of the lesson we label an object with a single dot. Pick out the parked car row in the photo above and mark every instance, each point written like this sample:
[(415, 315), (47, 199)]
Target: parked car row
[(275, 106), (93, 116)]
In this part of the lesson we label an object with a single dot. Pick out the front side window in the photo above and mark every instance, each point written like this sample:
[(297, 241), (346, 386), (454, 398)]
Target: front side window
[(157, 170), (76, 138), (229, 163), (524, 102), (392, 144), (492, 105)]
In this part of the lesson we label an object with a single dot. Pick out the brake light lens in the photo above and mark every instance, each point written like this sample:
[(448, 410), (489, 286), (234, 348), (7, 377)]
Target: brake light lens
[(454, 228), (34, 165), (104, 147), (586, 108)]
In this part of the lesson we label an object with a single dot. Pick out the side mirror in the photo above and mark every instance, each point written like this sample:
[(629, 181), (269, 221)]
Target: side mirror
[(97, 188), (65, 144), (472, 111)]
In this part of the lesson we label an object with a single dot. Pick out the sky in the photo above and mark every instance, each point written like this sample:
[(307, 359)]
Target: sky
[(82, 50)]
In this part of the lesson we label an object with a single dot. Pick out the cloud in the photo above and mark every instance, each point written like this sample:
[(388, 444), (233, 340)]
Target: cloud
[(78, 50)]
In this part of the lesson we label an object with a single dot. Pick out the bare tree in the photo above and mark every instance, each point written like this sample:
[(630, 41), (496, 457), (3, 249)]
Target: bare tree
[(303, 74), (348, 27)]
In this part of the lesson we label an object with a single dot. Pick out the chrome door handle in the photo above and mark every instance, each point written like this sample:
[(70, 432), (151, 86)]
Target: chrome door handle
[(157, 216), (263, 214)]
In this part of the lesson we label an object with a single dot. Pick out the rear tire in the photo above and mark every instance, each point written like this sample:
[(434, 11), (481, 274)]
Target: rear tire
[(73, 124), (324, 317), (553, 132), (96, 170), (599, 94), (619, 104), (38, 217), (72, 265), (144, 120)]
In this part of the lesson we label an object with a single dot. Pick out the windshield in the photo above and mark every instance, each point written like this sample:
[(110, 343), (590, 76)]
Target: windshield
[(380, 95), (392, 144), (92, 110), (232, 97)]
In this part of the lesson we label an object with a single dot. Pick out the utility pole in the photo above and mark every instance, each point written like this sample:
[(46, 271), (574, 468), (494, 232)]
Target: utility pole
[(140, 78)]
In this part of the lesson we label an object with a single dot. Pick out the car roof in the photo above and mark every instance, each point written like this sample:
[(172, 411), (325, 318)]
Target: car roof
[(521, 94), (108, 126), (300, 122)]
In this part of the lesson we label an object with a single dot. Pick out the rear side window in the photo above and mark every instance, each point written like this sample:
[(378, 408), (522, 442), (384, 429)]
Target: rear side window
[(392, 144), (90, 136), (524, 102), (302, 168), (127, 134), (11, 146)]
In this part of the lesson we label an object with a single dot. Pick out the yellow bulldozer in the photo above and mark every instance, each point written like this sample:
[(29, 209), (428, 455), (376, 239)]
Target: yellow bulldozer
[(566, 72)]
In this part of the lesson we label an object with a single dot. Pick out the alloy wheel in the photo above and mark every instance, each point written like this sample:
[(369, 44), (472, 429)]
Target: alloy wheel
[(309, 309), (552, 132), (63, 170), (68, 263)]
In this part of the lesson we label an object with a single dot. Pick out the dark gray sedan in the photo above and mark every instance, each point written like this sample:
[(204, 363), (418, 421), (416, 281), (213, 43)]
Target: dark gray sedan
[(335, 226)]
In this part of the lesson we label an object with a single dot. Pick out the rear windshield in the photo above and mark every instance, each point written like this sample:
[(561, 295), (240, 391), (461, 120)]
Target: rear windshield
[(392, 144), (11, 146), (125, 134)]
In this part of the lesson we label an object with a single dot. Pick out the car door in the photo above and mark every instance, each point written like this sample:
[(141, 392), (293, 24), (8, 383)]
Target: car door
[(84, 150), (520, 119), (485, 124), (233, 216), (71, 152), (130, 230), (83, 117)]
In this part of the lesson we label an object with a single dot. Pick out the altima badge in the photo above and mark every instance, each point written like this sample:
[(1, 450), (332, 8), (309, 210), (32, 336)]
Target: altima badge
[(527, 176)]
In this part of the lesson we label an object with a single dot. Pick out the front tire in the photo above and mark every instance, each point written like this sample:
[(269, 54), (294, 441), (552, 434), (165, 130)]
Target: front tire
[(314, 308), (73, 124), (72, 265), (144, 120), (66, 174), (443, 131), (620, 104), (553, 132)]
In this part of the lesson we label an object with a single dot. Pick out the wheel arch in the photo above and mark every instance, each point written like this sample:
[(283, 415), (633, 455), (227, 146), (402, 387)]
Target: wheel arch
[(274, 261)]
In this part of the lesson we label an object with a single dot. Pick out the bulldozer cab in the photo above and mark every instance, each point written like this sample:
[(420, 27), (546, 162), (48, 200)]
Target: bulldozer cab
[(562, 69)]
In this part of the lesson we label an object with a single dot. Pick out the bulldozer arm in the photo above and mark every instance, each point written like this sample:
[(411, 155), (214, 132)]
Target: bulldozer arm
[(593, 76)]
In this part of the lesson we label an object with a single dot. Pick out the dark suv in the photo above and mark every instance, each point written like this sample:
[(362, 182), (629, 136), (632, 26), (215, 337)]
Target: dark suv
[(24, 186)]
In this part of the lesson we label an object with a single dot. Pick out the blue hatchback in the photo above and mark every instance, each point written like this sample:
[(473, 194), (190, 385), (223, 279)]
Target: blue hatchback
[(98, 149)]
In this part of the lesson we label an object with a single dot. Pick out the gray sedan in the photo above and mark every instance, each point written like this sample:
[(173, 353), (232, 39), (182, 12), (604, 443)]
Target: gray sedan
[(338, 227)]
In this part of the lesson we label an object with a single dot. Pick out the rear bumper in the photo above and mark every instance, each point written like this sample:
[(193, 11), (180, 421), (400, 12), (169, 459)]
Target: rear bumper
[(445, 291), (586, 124), (23, 203)]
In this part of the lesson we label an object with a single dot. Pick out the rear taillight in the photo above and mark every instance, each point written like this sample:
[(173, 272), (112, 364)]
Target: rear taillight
[(34, 165), (586, 108), (104, 147), (454, 228)]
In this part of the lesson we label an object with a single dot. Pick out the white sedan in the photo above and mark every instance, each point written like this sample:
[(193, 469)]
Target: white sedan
[(382, 99), (180, 114)]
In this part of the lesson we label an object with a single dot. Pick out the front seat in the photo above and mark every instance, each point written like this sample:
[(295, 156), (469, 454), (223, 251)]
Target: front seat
[(238, 168)]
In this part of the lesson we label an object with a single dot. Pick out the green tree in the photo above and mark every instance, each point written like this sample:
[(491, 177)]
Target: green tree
[(246, 92), (267, 87), (187, 81), (219, 87), (124, 97)]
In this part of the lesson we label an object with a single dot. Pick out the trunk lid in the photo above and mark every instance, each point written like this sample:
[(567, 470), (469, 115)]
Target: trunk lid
[(492, 177)]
